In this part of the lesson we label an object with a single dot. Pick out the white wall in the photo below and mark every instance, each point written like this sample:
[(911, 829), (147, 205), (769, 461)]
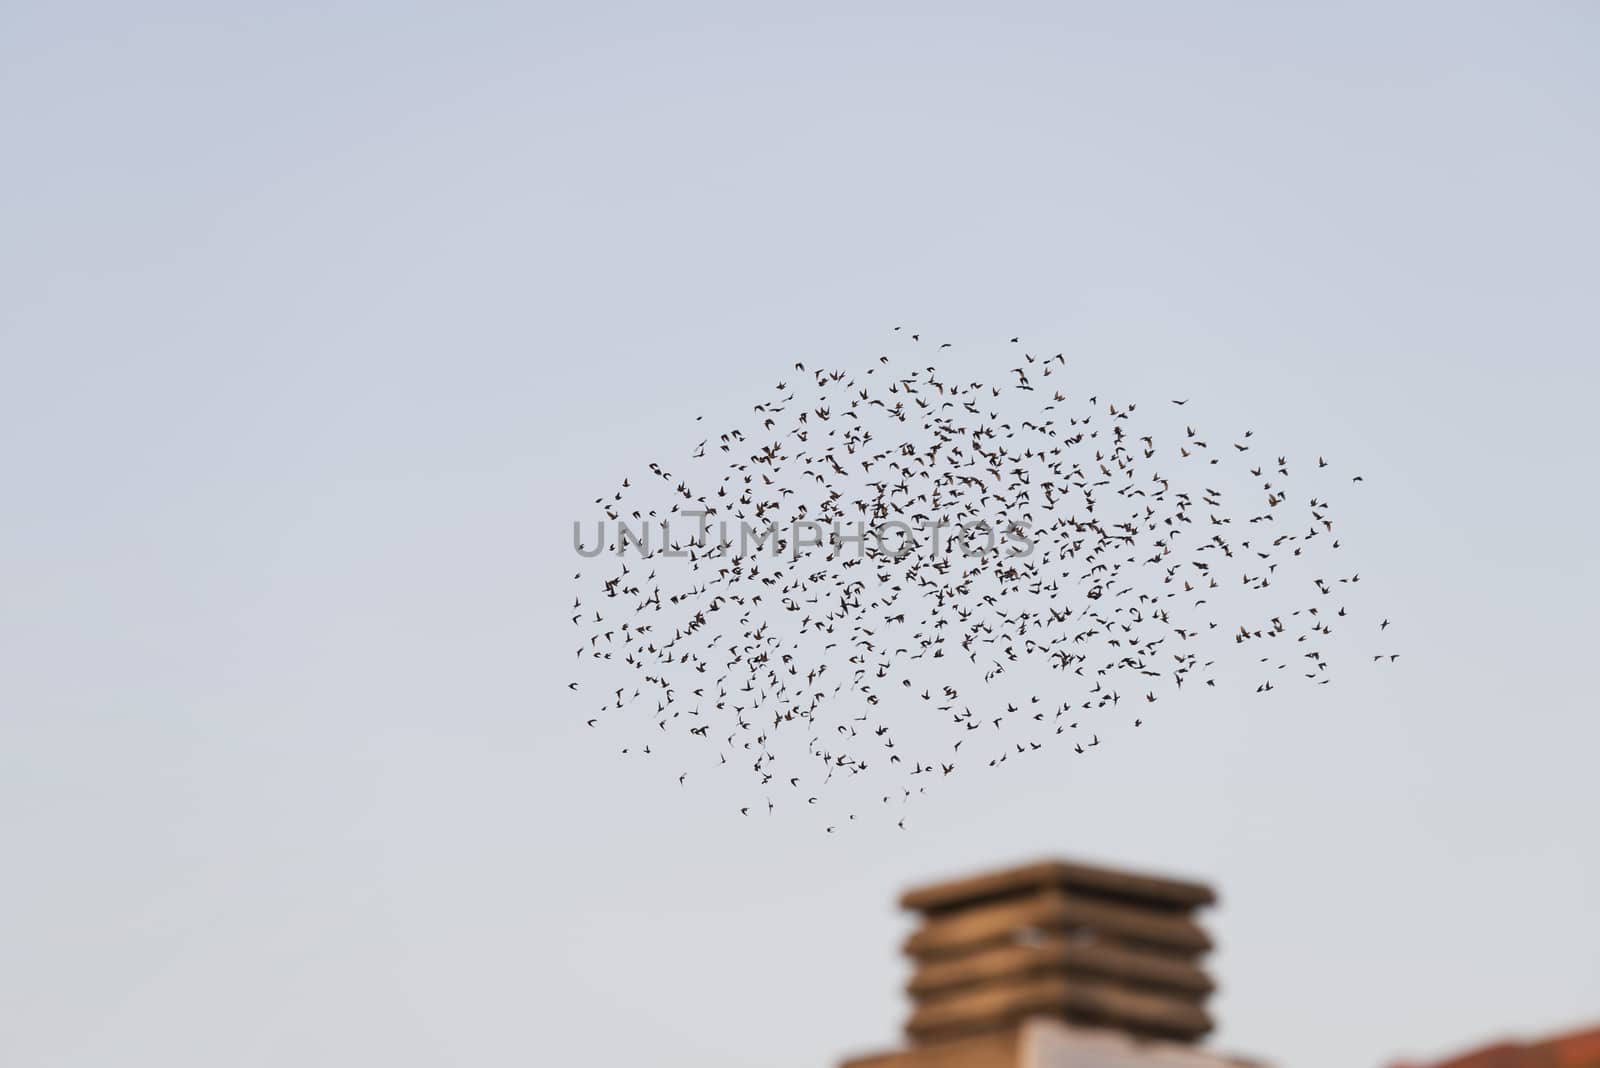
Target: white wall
[(1048, 1044)]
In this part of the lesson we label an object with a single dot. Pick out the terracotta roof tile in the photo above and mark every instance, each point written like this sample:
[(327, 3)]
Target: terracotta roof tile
[(1580, 1050)]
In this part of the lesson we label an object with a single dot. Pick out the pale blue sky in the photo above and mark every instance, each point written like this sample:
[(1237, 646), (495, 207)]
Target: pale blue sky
[(322, 322)]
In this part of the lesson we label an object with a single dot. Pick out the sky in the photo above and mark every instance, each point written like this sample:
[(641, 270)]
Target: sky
[(323, 323)]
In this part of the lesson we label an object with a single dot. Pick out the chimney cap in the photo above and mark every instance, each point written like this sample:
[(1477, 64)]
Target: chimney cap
[(1045, 874)]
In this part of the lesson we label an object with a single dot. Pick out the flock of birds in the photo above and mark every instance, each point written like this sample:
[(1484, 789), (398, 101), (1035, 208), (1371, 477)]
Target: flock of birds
[(890, 575)]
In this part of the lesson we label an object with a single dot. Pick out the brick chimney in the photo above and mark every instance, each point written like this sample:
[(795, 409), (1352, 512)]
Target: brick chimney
[(1055, 963)]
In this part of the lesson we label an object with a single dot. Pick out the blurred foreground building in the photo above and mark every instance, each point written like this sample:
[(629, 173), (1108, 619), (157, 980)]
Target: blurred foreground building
[(1057, 965), (1061, 965)]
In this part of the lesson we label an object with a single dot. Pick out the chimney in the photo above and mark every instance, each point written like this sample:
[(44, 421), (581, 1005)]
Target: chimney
[(1055, 963)]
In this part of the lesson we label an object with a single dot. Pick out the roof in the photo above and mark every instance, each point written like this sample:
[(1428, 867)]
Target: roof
[(1578, 1050)]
